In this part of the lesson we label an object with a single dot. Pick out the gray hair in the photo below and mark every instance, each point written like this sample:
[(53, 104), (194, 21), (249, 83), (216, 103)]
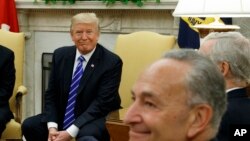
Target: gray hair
[(85, 18), (204, 82), (233, 48)]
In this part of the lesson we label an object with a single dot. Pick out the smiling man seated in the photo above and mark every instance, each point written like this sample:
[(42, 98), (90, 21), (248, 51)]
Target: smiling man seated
[(178, 98)]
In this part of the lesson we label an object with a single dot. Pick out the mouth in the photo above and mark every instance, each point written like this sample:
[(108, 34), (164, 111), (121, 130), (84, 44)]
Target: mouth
[(139, 135), (83, 44)]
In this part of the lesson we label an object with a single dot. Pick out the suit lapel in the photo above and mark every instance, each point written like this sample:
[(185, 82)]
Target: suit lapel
[(90, 67), (68, 63)]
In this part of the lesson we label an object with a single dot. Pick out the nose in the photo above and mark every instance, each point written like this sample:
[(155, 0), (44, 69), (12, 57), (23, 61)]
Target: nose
[(84, 35), (132, 115)]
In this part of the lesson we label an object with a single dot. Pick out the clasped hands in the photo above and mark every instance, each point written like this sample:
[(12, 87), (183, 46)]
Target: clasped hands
[(55, 135)]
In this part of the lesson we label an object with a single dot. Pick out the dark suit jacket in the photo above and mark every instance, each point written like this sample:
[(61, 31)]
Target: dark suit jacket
[(7, 82), (98, 90), (238, 112)]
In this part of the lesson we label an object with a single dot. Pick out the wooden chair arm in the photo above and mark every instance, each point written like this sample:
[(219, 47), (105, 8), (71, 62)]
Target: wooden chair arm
[(21, 91)]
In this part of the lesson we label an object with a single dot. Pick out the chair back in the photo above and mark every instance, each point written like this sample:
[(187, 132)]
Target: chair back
[(15, 42), (137, 50)]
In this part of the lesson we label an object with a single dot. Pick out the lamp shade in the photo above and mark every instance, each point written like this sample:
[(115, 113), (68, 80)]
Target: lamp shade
[(211, 8)]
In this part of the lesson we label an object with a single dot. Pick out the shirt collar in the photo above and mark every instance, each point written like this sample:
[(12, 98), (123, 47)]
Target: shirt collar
[(234, 88)]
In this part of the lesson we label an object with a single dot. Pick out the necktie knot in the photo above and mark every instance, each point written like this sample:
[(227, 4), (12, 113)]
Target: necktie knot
[(81, 59)]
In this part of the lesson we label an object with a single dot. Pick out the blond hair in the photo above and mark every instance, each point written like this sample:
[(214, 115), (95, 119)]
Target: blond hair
[(85, 18)]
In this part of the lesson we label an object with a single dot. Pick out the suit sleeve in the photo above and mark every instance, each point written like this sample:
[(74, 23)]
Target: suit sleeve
[(107, 99), (7, 78)]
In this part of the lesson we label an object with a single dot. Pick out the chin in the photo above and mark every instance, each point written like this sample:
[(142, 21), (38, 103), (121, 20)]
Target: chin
[(138, 139)]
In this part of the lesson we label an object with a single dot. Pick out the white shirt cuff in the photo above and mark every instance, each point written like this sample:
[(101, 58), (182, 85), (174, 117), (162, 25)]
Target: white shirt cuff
[(73, 130), (52, 125)]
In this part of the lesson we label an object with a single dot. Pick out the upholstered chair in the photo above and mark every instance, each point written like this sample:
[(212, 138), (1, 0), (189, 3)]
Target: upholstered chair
[(137, 50), (15, 42)]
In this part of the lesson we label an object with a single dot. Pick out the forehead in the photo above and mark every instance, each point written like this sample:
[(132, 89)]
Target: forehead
[(164, 78), (79, 26)]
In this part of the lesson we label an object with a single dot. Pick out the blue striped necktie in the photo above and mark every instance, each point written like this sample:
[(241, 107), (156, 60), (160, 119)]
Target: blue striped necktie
[(69, 116)]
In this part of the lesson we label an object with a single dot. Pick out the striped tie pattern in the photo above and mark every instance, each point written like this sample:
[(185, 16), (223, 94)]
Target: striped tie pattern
[(69, 116)]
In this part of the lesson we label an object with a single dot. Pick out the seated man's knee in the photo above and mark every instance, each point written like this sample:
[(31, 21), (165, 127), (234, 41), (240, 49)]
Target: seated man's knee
[(87, 138), (27, 126)]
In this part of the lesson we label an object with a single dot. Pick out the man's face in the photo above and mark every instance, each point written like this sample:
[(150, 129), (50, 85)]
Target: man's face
[(85, 36), (159, 111)]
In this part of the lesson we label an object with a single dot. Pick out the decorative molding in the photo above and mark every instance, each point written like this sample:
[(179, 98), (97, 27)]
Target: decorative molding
[(111, 20), (152, 5), (116, 18)]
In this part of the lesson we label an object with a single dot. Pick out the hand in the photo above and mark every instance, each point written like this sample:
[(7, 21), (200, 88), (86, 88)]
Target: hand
[(53, 133), (63, 136)]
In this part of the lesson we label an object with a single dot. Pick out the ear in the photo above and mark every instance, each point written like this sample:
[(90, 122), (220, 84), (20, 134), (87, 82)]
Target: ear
[(224, 68), (71, 34), (98, 36), (200, 118)]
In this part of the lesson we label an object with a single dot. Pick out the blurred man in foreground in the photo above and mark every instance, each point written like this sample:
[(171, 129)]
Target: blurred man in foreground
[(178, 98)]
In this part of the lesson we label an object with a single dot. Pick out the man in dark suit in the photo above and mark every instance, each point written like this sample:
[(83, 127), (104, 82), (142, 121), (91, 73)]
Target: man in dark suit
[(97, 93), (7, 82), (231, 52)]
